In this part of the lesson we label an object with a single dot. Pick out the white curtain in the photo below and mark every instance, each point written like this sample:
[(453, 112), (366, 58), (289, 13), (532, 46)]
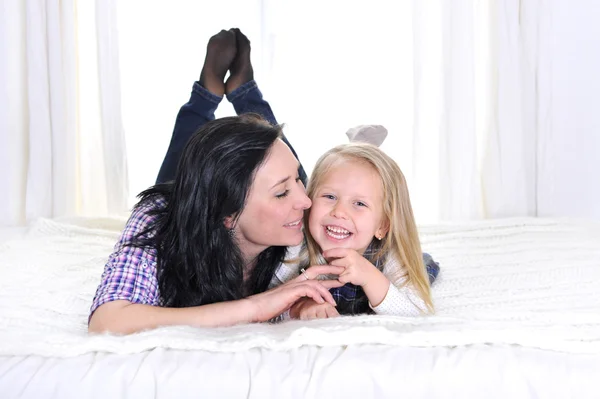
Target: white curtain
[(491, 106), (456, 83), (568, 119), (62, 143), (475, 129), (478, 96)]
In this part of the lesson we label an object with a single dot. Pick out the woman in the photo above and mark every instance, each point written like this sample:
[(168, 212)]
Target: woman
[(201, 247)]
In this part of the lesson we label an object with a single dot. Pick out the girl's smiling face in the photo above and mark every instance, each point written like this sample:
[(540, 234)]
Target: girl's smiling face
[(347, 207)]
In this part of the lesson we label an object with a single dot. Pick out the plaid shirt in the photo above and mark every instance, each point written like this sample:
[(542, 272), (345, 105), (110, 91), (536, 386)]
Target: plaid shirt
[(130, 273)]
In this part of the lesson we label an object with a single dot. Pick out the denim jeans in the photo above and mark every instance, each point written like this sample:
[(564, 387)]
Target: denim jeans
[(200, 109)]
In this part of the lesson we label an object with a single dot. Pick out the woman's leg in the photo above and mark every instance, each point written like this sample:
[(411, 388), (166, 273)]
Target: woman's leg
[(243, 93), (206, 95), (196, 112), (248, 98)]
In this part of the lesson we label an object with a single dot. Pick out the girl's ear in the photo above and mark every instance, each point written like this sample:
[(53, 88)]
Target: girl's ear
[(382, 230), (229, 222)]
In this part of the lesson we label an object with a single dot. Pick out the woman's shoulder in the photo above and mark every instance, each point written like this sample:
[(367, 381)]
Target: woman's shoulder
[(147, 209), (151, 203), (142, 219)]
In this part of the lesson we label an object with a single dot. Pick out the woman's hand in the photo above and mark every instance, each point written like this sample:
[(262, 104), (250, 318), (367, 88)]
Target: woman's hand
[(274, 302), (308, 309)]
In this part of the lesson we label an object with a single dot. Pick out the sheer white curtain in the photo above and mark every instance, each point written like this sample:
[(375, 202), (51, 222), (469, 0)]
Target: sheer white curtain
[(456, 83), (490, 105), (467, 89), (568, 120), (62, 142)]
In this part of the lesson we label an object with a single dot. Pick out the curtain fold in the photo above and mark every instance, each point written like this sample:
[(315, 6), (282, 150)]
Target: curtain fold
[(61, 123)]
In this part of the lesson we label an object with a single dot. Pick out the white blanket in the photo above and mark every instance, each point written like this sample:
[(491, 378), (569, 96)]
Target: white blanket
[(531, 282)]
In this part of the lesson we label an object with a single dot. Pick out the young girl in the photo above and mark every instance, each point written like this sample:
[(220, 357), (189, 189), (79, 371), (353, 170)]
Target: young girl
[(361, 219)]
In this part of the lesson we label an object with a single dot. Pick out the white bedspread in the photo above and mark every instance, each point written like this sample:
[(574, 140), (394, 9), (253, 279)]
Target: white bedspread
[(356, 371), (531, 282)]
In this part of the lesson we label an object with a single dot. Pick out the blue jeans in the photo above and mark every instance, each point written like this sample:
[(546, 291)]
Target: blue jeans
[(200, 109)]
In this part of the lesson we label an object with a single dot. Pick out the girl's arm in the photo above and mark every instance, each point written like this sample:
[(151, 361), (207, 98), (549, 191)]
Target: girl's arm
[(376, 287), (384, 297), (387, 299), (399, 301)]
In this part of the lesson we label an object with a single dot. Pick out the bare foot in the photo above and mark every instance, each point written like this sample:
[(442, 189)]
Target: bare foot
[(220, 52), (241, 68)]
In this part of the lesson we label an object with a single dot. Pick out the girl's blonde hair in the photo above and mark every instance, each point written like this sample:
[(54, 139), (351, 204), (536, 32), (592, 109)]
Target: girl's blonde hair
[(402, 240)]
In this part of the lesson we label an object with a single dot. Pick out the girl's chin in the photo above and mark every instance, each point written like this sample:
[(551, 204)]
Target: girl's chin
[(326, 244), (331, 245)]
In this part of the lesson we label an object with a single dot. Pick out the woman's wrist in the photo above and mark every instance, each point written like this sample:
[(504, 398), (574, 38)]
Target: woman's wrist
[(248, 311), (221, 314)]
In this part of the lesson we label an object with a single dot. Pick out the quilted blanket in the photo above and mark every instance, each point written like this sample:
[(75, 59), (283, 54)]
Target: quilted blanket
[(529, 282)]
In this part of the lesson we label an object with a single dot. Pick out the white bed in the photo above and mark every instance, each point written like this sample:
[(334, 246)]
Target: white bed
[(518, 304)]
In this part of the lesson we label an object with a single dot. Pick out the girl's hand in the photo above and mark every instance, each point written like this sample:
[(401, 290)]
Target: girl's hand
[(272, 303), (308, 309), (357, 269)]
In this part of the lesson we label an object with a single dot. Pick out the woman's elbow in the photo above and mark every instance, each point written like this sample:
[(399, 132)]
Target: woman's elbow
[(107, 319)]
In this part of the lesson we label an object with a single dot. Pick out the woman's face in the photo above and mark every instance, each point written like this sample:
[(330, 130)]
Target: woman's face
[(275, 205)]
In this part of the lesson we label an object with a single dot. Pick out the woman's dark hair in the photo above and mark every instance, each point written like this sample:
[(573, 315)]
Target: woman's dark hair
[(198, 259)]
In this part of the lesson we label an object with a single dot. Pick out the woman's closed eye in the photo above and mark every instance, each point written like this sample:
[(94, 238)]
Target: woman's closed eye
[(287, 191), (282, 195)]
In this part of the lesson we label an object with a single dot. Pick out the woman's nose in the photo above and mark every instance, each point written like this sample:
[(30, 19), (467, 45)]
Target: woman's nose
[(302, 201)]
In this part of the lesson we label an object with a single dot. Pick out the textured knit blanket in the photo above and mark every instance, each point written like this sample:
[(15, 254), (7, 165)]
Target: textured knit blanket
[(529, 282)]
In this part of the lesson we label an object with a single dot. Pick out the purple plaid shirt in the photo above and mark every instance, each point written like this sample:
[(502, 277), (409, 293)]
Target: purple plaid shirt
[(130, 273)]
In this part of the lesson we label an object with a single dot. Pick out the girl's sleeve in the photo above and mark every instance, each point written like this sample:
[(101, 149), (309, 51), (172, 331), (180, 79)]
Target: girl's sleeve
[(400, 301)]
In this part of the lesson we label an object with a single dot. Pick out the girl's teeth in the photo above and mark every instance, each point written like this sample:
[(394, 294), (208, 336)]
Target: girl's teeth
[(338, 230), (337, 233)]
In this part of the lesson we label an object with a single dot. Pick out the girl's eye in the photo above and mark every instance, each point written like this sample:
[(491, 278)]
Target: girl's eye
[(359, 203), (329, 196), (282, 195)]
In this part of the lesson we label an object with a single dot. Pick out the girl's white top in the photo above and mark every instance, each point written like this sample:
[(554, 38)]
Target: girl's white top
[(400, 300)]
